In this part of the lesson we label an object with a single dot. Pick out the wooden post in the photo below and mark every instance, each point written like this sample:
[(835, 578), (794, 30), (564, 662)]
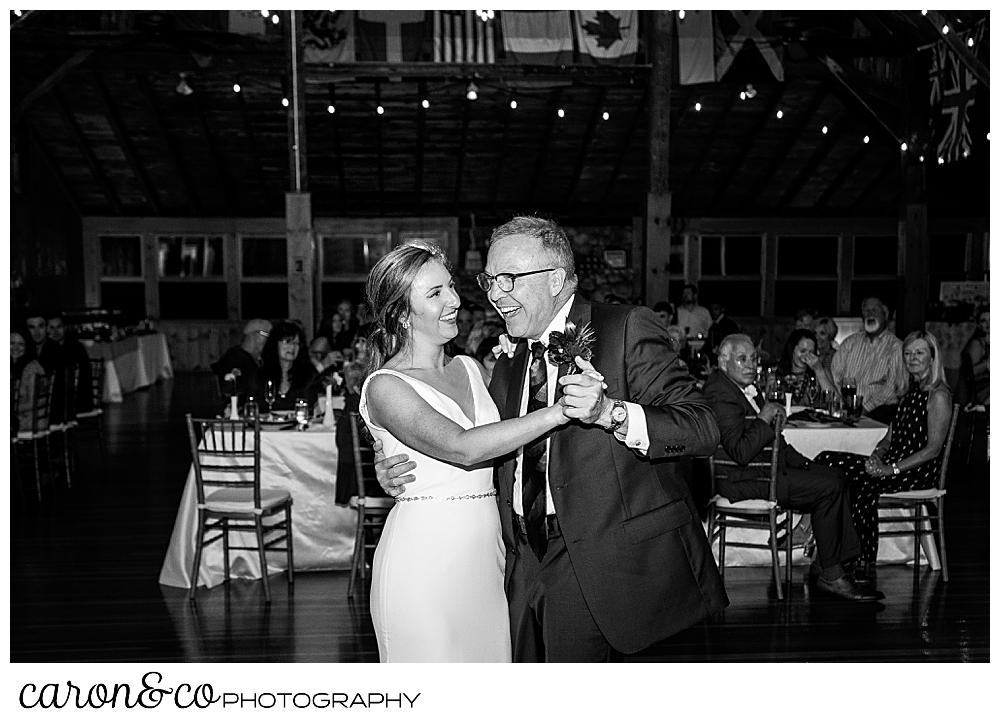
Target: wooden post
[(658, 198)]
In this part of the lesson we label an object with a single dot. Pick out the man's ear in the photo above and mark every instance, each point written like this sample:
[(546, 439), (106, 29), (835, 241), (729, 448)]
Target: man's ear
[(557, 281)]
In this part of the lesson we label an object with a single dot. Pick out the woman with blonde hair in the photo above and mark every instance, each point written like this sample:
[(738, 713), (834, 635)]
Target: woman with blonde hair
[(909, 456), (826, 340)]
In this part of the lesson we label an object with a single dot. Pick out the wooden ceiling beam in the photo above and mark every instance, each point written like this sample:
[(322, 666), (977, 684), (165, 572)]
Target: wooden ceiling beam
[(170, 145), (552, 105), (50, 82), (463, 138), (87, 152), (588, 136), (255, 152), (418, 176), (834, 186), (959, 48), (502, 151), (640, 112), (706, 148), (745, 147), (335, 122), (213, 151), (56, 170), (844, 84), (122, 136), (780, 156), (876, 182), (818, 156)]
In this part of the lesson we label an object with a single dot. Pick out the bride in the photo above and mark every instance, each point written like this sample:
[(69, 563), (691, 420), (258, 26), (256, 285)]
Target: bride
[(437, 583)]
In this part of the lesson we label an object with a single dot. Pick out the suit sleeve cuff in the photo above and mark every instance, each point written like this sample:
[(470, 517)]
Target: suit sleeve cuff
[(637, 437)]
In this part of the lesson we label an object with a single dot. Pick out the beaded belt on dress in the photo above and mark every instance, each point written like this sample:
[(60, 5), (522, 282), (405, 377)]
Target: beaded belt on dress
[(491, 493)]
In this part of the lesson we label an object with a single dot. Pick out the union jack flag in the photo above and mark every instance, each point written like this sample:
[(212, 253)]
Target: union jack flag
[(953, 88)]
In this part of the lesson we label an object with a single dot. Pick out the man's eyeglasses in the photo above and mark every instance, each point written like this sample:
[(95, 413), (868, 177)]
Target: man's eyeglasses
[(504, 281), (746, 361), (264, 334)]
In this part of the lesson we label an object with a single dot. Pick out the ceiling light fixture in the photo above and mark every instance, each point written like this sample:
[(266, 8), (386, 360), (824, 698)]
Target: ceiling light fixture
[(183, 88), (471, 91)]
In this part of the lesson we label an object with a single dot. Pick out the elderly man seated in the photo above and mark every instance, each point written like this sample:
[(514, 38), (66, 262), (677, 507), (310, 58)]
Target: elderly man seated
[(322, 355), (872, 360), (242, 361), (802, 486)]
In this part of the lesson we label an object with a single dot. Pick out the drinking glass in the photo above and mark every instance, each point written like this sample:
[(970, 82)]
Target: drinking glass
[(856, 407), (250, 409), (269, 395), (834, 404), (301, 413)]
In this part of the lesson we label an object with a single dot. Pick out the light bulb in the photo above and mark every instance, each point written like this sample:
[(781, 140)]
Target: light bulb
[(866, 139), (697, 106), (944, 30), (606, 115), (940, 160), (513, 104), (236, 87), (380, 110), (471, 92), (274, 18), (780, 114), (903, 147), (680, 14), (971, 42), (284, 102), (425, 103), (825, 130), (330, 109), (743, 95), (265, 13), (560, 112)]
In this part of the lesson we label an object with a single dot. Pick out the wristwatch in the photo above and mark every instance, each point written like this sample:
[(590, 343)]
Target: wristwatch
[(619, 414)]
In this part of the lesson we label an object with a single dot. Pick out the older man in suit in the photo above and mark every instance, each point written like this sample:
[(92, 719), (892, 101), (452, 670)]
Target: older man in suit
[(605, 551), (745, 428)]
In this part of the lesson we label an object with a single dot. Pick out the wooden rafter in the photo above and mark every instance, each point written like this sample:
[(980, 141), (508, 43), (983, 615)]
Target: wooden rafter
[(690, 187), (502, 149), (418, 179), (845, 81), (968, 58), (550, 125), (170, 145), (588, 136), (836, 183), (56, 170), (122, 136), (876, 182), (337, 149), (640, 112), (818, 156), (87, 152), (50, 82), (213, 151), (780, 155), (463, 137), (381, 159), (745, 147), (254, 151)]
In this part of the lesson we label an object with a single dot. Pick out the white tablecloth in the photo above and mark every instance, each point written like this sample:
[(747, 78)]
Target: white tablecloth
[(305, 464), (810, 441), (132, 363)]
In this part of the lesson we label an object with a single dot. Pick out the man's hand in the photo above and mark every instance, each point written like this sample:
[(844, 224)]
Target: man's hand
[(770, 411), (583, 395), (506, 346), (392, 471)]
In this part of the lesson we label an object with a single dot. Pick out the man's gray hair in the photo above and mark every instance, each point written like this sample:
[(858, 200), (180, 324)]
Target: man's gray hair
[(726, 347)]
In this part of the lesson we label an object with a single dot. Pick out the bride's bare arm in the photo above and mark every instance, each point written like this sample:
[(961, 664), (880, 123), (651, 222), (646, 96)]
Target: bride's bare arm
[(394, 405)]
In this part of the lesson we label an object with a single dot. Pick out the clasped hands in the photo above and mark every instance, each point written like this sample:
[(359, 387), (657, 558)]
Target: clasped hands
[(875, 467)]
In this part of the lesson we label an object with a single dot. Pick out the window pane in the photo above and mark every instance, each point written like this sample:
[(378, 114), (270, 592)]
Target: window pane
[(128, 298), (353, 254), (264, 301), (676, 264), (265, 257), (121, 256), (740, 298), (711, 255), (812, 255), (861, 290), (947, 254), (875, 255), (743, 255), (190, 256), (192, 301), (334, 291), (790, 296)]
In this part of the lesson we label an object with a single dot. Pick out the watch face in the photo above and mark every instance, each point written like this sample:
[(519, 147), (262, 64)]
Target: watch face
[(618, 413)]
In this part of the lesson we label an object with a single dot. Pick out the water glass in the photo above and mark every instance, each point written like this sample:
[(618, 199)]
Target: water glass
[(856, 407), (834, 404), (250, 409), (301, 412)]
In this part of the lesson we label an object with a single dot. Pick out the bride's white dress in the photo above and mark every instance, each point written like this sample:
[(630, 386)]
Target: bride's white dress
[(437, 583)]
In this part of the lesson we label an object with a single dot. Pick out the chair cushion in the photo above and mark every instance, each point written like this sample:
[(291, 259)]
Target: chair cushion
[(240, 499), (744, 505), (931, 494)]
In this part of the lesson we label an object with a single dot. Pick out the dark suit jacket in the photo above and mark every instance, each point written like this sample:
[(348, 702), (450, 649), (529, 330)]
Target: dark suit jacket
[(742, 438), (632, 532)]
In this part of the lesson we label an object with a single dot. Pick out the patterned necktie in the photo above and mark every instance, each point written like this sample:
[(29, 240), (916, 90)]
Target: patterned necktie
[(535, 457)]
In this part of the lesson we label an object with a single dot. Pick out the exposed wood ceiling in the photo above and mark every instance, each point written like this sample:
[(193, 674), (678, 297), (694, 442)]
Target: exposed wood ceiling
[(104, 110)]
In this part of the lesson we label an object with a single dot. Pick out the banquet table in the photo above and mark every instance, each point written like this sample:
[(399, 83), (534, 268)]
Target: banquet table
[(132, 363), (304, 464), (810, 440)]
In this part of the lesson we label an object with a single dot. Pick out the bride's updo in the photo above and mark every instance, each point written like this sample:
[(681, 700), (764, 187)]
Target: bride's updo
[(388, 294)]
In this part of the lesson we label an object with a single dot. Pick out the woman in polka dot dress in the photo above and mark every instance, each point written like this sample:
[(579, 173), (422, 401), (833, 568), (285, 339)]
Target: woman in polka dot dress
[(908, 457)]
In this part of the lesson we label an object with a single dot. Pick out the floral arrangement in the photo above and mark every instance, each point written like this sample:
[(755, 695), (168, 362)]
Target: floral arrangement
[(231, 376), (573, 342)]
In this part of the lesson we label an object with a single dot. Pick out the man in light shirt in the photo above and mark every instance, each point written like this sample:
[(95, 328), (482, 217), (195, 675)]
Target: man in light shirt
[(691, 317), (872, 359)]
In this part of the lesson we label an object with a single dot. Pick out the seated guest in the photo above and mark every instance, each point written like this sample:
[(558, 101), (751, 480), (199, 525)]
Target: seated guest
[(244, 359), (285, 361), (23, 370), (872, 359), (826, 340), (62, 355), (665, 311), (909, 456), (802, 486), (691, 317), (805, 318), (334, 329), (800, 366), (975, 378), (345, 310), (722, 326), (322, 356)]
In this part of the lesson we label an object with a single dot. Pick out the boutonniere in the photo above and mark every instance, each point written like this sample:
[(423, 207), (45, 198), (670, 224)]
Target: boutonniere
[(573, 342)]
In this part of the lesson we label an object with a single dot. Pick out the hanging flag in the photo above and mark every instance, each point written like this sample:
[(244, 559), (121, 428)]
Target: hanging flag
[(939, 66), (749, 27), (957, 86), (537, 37), (696, 47), (392, 36), (328, 36), (247, 22), (460, 36), (607, 36)]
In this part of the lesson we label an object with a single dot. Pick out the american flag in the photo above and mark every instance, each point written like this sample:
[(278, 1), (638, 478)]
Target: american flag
[(953, 87), (460, 36)]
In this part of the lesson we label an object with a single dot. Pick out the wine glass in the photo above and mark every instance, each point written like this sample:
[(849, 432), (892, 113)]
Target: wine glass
[(269, 395)]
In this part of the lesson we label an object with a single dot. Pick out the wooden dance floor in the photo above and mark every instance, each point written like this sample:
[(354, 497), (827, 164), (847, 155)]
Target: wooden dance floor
[(85, 563)]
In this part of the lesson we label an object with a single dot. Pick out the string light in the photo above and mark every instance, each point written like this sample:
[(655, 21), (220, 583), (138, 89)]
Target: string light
[(606, 115), (561, 113), (284, 102), (944, 30), (743, 95), (331, 109), (513, 104), (471, 92), (425, 103), (274, 18), (903, 147), (18, 13), (236, 87), (680, 14), (485, 15), (265, 13), (971, 42), (380, 110), (697, 107), (965, 153), (825, 130), (940, 160), (779, 115), (921, 159), (867, 139)]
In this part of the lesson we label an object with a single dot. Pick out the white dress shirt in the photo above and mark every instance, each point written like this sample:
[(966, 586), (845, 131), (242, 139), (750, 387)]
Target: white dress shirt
[(637, 437)]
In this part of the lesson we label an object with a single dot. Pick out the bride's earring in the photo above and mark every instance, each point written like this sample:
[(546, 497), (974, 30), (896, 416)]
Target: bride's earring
[(405, 323)]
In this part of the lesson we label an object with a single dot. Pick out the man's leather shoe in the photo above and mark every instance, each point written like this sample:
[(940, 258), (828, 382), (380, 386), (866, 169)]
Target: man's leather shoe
[(846, 588)]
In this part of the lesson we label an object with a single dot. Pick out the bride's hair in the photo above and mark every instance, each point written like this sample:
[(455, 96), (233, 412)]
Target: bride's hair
[(388, 294)]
